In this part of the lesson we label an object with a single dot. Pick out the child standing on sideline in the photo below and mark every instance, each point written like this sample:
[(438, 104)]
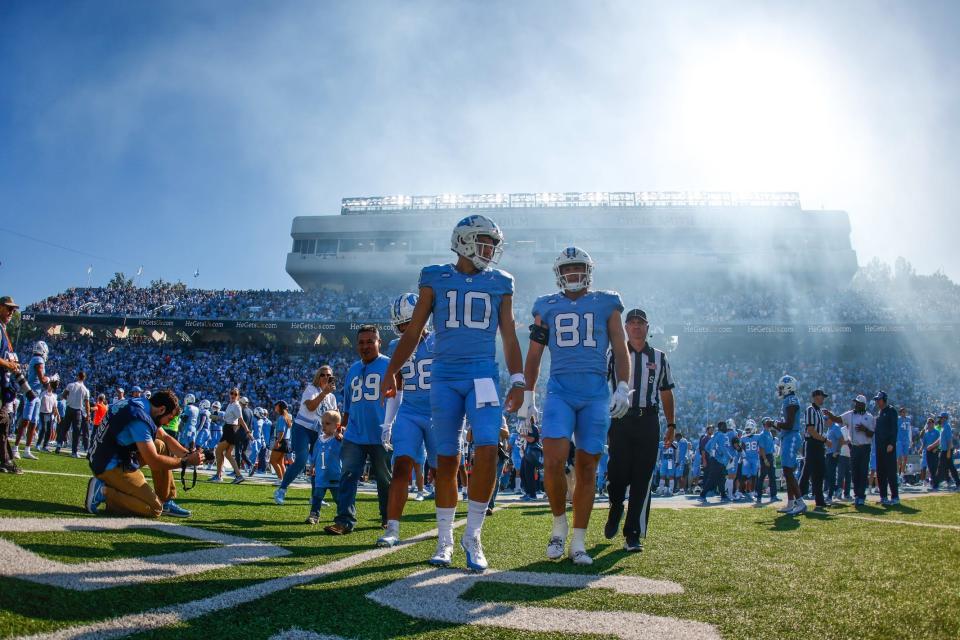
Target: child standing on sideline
[(325, 462)]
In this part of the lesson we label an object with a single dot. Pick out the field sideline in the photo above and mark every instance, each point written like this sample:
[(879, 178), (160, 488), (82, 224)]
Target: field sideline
[(730, 573)]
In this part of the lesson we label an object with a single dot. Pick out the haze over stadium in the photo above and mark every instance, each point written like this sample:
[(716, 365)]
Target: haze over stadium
[(424, 277)]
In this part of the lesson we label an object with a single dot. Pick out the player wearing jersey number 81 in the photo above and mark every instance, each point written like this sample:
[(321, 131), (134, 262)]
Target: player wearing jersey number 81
[(577, 325), (470, 302)]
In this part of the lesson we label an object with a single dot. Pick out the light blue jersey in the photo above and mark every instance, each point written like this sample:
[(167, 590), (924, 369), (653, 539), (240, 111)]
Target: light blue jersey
[(751, 448), (718, 448), (361, 401), (189, 418), (32, 378), (790, 437), (466, 317), (946, 436), (578, 338), (765, 441), (416, 373), (791, 401)]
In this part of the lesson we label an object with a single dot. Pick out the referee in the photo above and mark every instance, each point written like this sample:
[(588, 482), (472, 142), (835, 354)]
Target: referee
[(814, 463), (635, 438)]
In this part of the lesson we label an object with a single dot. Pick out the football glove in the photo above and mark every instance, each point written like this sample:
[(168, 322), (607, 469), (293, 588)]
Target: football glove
[(385, 434), (620, 400), (526, 412)]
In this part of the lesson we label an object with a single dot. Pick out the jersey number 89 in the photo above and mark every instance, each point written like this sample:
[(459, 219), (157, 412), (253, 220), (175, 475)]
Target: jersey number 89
[(567, 326), (367, 388)]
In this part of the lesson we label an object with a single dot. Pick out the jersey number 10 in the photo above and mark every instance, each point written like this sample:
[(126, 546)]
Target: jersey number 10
[(475, 304)]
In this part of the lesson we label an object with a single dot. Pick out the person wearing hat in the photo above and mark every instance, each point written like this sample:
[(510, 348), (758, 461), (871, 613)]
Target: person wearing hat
[(635, 438), (9, 365), (885, 441), (767, 446), (861, 426), (946, 466), (816, 439), (136, 392)]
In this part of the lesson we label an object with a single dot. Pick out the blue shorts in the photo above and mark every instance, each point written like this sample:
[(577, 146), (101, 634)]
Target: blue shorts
[(751, 468), (789, 448), (678, 470), (666, 469), (695, 466), (903, 449), (586, 420), (413, 437), (31, 411), (873, 458), (450, 402)]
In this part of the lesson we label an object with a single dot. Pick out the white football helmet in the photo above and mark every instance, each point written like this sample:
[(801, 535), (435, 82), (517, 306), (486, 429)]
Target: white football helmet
[(216, 406), (786, 386), (189, 399), (41, 349), (750, 428), (573, 255), (464, 240), (205, 404), (147, 394), (401, 311)]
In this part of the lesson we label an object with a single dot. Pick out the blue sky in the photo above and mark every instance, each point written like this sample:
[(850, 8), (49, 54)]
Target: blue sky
[(187, 135)]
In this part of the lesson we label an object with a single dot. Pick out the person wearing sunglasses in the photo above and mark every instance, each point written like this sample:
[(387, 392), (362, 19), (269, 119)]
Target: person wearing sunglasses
[(233, 426)]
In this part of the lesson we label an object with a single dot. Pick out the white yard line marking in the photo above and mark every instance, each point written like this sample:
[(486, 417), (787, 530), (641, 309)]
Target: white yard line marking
[(174, 614), (437, 594), (931, 525), (17, 562), (299, 634)]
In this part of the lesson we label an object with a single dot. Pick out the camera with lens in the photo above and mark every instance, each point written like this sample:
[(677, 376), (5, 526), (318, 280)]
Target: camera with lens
[(21, 381)]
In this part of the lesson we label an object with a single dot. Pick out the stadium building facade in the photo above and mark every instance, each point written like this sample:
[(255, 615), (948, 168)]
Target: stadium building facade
[(387, 239)]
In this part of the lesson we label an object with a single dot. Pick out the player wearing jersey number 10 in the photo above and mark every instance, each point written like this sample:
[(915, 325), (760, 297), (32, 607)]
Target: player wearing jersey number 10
[(577, 324), (470, 301)]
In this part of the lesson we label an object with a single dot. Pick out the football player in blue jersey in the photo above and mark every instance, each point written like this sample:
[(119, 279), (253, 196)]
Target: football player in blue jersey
[(406, 424), (668, 462), (751, 457), (470, 301), (189, 417), (578, 325), (904, 440), (733, 459), (37, 379), (683, 460), (790, 439)]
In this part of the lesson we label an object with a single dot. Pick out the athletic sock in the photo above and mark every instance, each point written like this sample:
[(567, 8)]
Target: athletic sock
[(671, 486), (445, 524), (560, 526), (393, 526), (729, 486), (578, 543), (476, 512)]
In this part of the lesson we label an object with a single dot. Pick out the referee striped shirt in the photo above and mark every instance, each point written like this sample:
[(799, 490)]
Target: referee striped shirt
[(649, 375), (815, 419)]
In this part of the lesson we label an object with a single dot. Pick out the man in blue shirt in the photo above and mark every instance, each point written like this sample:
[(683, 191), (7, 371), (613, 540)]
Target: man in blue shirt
[(683, 455), (131, 437), (406, 426), (751, 457), (363, 413), (835, 442), (766, 446), (578, 326), (946, 466), (718, 455), (470, 302), (904, 438)]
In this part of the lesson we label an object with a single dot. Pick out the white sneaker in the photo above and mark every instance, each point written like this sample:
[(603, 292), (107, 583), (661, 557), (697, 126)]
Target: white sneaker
[(738, 496), (555, 548), (580, 557), (76, 455), (16, 453), (29, 455), (390, 538), (476, 560), (798, 507), (419, 497), (788, 508), (444, 555)]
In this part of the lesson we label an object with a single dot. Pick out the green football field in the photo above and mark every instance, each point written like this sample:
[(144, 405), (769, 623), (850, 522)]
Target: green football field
[(252, 569)]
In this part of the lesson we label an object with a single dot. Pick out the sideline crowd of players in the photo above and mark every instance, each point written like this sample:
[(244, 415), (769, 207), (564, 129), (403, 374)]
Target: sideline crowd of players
[(416, 402)]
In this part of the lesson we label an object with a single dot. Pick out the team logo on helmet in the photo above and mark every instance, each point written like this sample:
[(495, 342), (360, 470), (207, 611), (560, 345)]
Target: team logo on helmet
[(401, 311), (576, 280), (41, 349), (465, 241)]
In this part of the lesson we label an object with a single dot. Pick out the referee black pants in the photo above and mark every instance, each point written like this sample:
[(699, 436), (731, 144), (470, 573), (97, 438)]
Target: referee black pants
[(946, 470), (634, 444), (814, 467)]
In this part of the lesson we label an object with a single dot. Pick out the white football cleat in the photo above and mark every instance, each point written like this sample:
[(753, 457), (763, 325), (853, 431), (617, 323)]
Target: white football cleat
[(555, 548), (444, 555), (389, 539), (788, 508), (580, 557), (476, 560), (798, 507)]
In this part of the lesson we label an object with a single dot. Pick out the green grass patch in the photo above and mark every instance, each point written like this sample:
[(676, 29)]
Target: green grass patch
[(97, 546)]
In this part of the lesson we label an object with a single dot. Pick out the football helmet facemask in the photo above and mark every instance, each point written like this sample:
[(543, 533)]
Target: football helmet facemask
[(466, 241), (576, 280)]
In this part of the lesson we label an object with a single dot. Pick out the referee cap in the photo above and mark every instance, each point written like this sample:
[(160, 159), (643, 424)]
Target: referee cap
[(881, 395), (636, 313), (820, 392)]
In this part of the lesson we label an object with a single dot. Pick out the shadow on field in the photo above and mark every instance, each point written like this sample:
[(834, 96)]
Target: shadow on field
[(785, 523), (36, 507)]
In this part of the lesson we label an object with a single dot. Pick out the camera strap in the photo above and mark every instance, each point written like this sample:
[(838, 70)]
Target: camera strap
[(183, 474)]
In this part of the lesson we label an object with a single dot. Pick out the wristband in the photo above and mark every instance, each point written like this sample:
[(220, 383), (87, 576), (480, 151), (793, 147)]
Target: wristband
[(672, 425), (517, 380)]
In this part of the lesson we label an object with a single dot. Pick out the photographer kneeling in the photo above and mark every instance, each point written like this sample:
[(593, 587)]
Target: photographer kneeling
[(132, 438)]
